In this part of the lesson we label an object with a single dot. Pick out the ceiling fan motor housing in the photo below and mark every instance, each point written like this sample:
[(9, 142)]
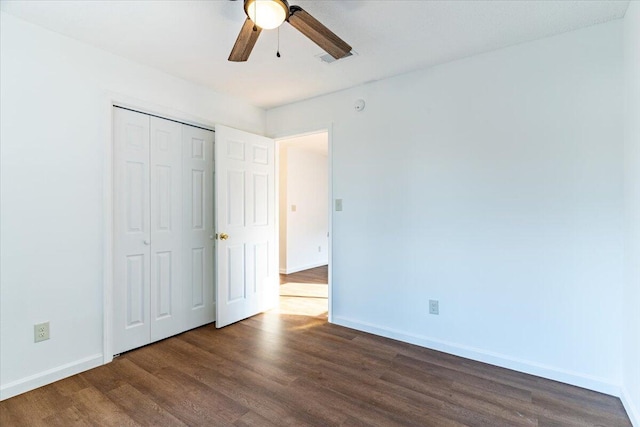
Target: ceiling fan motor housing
[(267, 14)]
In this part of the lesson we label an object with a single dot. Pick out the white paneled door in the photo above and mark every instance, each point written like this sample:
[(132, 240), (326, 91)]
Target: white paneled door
[(132, 231), (166, 228), (247, 278), (198, 226), (163, 228)]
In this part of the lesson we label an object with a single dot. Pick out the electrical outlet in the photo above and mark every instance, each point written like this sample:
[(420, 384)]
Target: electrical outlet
[(41, 332), (338, 205), (319, 248), (434, 307)]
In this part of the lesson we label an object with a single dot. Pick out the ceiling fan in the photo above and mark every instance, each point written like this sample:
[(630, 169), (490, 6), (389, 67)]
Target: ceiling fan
[(270, 14)]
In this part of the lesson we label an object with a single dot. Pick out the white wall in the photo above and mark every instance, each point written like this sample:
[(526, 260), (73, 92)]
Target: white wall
[(631, 397), (282, 208), (55, 114), (493, 184), (303, 233)]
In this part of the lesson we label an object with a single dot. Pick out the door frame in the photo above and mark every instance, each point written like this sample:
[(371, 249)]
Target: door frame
[(113, 99), (328, 129)]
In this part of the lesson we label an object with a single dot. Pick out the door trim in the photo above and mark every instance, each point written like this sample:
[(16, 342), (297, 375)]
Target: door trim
[(111, 100), (328, 128)]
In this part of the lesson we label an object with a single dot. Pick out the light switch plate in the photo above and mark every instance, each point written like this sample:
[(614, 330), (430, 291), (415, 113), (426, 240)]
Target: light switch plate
[(338, 205), (434, 307)]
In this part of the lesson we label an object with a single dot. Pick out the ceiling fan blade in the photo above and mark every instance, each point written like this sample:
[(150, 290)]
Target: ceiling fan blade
[(245, 42), (318, 33)]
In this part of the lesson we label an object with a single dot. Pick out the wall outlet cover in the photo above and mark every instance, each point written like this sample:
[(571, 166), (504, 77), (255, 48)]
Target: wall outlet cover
[(40, 332)]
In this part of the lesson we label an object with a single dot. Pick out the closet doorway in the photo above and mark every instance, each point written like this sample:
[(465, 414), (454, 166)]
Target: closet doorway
[(163, 235)]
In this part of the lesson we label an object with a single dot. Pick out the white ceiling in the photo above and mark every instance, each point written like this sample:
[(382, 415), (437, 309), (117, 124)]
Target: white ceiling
[(192, 39)]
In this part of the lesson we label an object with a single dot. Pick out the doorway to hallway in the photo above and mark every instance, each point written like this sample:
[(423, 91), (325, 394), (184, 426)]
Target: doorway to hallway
[(304, 208)]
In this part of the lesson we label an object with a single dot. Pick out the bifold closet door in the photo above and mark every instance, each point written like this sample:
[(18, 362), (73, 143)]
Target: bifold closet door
[(132, 231), (167, 314), (198, 226), (147, 229)]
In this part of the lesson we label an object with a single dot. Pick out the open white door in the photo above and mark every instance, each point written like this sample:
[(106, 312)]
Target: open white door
[(247, 275)]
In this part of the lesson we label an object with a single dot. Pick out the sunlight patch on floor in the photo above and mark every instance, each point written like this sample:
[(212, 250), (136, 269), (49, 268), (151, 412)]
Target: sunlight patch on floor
[(304, 290), (299, 307), (303, 299)]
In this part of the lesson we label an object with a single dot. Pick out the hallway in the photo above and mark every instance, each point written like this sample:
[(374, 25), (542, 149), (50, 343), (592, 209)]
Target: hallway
[(305, 292)]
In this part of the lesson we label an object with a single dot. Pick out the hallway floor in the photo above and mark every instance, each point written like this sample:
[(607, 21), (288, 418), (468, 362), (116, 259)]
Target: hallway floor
[(305, 292)]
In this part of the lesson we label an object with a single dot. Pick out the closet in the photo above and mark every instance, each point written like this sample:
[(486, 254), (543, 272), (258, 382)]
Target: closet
[(163, 228)]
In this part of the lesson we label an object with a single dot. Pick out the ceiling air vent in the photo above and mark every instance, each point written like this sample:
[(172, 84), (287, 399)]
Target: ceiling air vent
[(328, 59)]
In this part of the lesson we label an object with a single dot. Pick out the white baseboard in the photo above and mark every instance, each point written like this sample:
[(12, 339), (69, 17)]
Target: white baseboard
[(302, 267), (574, 378), (50, 376), (632, 410)]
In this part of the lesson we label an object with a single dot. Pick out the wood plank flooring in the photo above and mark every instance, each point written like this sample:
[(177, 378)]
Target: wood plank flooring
[(279, 369), (318, 275), (305, 293)]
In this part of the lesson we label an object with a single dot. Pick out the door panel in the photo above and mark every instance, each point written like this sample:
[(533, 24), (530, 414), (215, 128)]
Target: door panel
[(260, 264), (136, 186), (245, 200), (166, 231), (135, 288), (198, 201), (235, 199), (236, 279), (198, 226), (198, 275), (131, 230), (260, 199), (164, 285)]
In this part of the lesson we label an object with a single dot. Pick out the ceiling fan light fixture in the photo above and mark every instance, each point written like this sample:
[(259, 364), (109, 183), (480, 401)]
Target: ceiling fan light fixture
[(267, 14)]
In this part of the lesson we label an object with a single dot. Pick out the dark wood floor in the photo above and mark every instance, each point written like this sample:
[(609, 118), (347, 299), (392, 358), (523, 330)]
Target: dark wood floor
[(318, 275), (279, 369)]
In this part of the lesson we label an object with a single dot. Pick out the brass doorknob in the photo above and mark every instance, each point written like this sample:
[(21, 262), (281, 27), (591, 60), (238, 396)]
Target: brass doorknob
[(224, 236)]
